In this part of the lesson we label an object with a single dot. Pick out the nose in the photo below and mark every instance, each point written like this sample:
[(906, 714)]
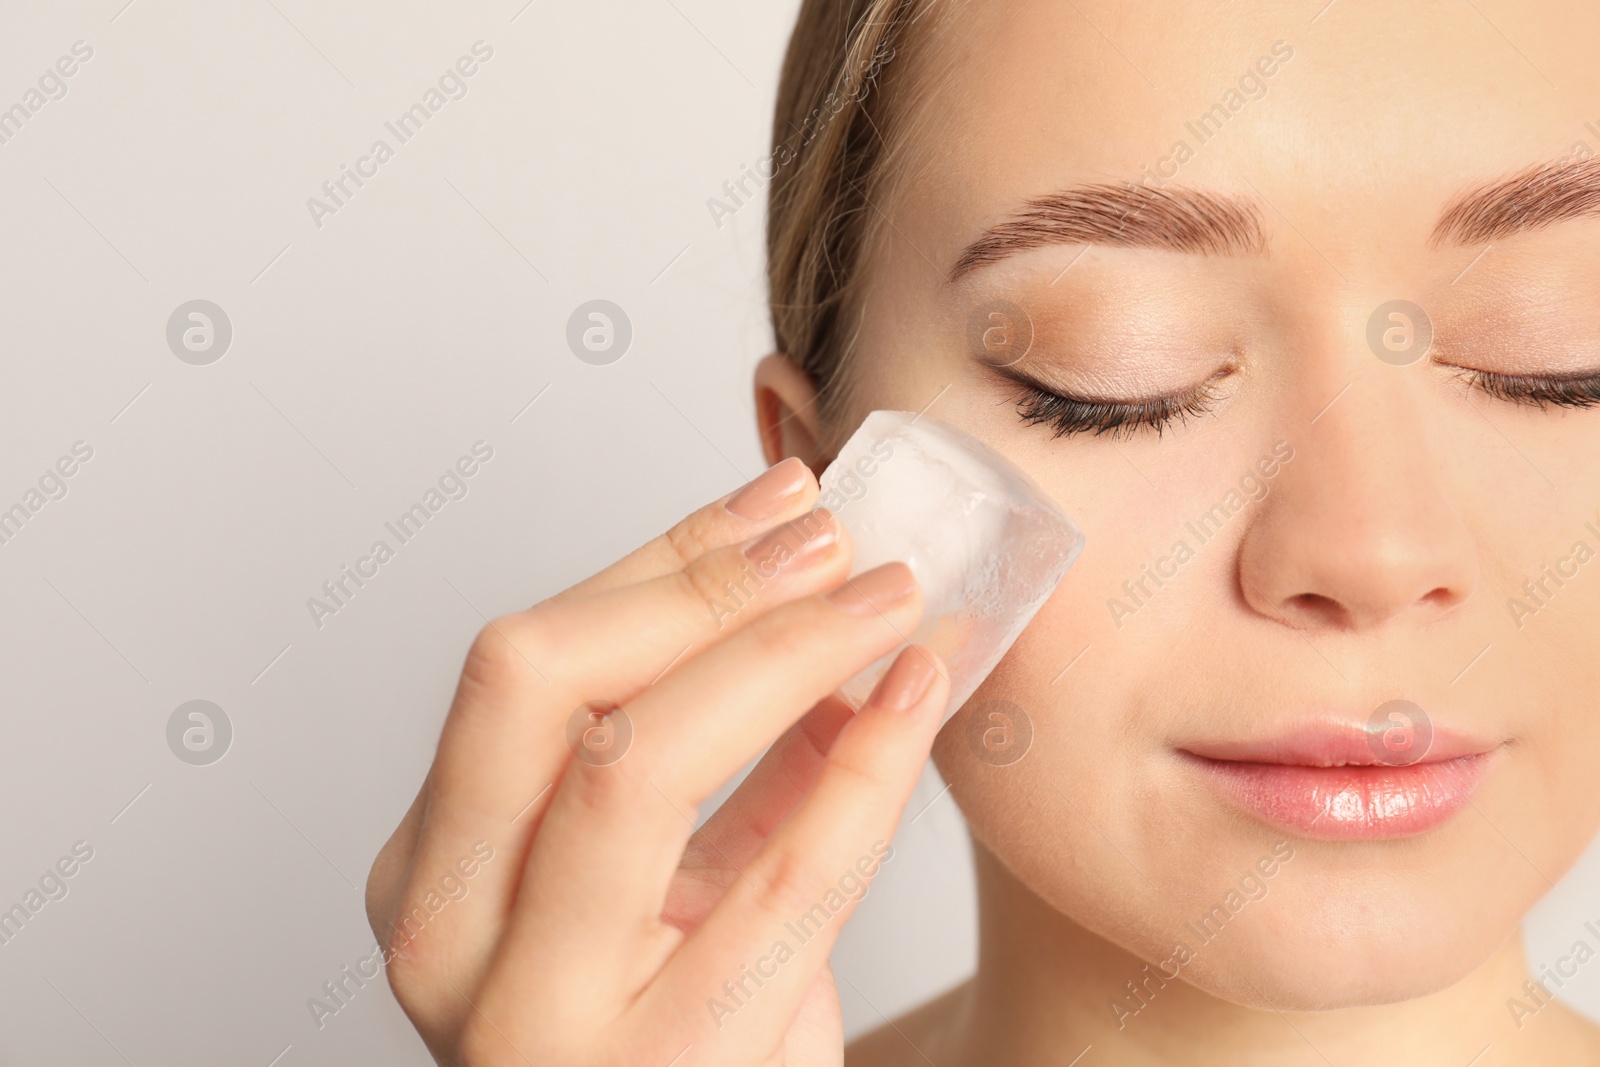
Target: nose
[(1358, 531)]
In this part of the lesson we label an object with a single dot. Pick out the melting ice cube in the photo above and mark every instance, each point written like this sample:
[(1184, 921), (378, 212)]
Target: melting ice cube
[(987, 545)]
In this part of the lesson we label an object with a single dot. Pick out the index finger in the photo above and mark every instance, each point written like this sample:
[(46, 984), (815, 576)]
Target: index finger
[(781, 492)]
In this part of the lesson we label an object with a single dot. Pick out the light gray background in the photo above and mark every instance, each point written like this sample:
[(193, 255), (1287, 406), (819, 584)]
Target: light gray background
[(368, 355)]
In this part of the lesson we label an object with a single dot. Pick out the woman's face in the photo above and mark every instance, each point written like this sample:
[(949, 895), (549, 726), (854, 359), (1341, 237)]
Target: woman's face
[(1334, 523)]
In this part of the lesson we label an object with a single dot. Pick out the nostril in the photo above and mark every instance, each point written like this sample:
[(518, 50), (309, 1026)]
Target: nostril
[(1440, 598), (1314, 607)]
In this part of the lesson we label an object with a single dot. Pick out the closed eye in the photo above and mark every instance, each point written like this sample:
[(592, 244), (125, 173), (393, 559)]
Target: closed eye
[(1579, 391), (1067, 415)]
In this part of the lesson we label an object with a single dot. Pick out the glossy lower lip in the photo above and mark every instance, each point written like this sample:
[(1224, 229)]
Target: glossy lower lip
[(1350, 802)]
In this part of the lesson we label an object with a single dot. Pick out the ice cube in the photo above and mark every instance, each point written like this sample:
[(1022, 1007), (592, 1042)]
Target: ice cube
[(987, 545)]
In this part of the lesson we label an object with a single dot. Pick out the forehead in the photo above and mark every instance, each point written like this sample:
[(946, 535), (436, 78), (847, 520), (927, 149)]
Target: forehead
[(1363, 122)]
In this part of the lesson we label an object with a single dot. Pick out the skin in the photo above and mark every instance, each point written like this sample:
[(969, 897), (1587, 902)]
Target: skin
[(1377, 565)]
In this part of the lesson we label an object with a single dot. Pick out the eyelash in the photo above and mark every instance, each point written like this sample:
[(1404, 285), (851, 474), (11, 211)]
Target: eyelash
[(1534, 391), (1067, 415)]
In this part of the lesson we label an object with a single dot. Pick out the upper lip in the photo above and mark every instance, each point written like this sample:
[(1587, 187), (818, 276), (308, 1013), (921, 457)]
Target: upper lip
[(1333, 743)]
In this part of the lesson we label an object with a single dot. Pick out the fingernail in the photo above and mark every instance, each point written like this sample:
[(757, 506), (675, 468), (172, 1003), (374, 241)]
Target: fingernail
[(796, 544), (876, 591), (907, 681), (767, 495)]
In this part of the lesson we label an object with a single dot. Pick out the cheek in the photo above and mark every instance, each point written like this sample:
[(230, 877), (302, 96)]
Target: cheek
[(904, 359), (887, 384), (1056, 819), (1042, 811), (1540, 665), (1536, 614)]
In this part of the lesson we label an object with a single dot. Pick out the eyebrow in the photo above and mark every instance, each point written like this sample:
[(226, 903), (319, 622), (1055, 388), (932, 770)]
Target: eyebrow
[(1538, 197), (1180, 220)]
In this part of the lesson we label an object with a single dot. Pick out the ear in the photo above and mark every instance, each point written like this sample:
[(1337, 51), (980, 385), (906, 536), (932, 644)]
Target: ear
[(786, 412)]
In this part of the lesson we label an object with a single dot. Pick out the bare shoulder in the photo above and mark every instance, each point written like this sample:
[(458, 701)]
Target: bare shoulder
[(913, 1038)]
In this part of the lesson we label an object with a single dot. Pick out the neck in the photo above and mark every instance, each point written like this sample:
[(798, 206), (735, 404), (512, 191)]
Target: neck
[(1046, 989)]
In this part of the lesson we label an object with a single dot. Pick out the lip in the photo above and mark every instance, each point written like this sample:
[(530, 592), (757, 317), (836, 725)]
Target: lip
[(1335, 781)]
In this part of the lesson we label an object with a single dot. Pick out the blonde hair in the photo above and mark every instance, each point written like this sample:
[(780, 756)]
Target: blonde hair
[(834, 136)]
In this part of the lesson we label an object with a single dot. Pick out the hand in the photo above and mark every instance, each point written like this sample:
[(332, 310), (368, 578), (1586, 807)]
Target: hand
[(546, 903)]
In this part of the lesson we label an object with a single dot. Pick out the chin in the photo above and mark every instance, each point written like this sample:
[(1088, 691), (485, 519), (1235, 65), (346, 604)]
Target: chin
[(1337, 924), (1303, 958)]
